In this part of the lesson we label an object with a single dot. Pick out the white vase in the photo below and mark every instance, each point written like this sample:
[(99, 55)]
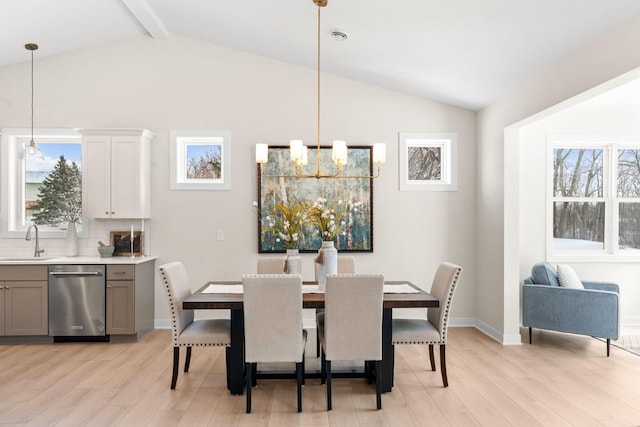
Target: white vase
[(71, 248), (294, 262), (328, 257)]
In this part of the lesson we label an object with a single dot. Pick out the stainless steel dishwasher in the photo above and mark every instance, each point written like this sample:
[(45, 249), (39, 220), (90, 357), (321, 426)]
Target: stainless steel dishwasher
[(77, 298)]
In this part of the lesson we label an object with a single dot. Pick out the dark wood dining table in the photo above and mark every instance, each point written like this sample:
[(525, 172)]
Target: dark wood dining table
[(233, 302)]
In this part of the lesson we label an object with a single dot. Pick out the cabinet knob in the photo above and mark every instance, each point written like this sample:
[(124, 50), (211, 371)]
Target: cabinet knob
[(113, 212), (108, 286), (106, 212)]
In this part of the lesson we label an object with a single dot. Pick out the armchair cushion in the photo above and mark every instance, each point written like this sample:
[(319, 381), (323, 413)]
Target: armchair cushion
[(568, 278), (543, 273)]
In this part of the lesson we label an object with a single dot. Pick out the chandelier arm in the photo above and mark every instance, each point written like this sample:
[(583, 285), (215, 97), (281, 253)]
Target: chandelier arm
[(337, 175)]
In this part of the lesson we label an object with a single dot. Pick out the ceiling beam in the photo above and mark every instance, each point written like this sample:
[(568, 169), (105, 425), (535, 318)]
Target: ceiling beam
[(147, 17)]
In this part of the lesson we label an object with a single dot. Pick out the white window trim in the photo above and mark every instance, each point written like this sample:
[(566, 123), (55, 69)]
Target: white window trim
[(11, 159), (608, 143), (179, 141)]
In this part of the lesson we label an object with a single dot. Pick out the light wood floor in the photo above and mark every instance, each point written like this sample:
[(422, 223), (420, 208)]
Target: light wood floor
[(560, 380)]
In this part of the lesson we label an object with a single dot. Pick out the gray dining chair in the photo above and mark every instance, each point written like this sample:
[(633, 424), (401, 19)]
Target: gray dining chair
[(271, 265), (185, 331), (273, 332), (351, 326), (432, 330), (346, 265)]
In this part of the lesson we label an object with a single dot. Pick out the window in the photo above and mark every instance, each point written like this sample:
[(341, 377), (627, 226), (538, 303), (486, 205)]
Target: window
[(43, 187), (594, 207)]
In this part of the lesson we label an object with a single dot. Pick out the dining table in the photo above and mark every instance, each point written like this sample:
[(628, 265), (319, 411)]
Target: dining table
[(227, 295)]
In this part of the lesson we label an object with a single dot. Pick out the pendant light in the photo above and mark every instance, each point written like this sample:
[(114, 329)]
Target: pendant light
[(32, 149)]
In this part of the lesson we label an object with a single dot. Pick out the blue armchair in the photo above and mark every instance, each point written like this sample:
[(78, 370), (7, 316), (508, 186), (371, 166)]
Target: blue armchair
[(593, 311)]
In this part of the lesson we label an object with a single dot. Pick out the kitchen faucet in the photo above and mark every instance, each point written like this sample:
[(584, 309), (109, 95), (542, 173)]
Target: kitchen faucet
[(37, 250)]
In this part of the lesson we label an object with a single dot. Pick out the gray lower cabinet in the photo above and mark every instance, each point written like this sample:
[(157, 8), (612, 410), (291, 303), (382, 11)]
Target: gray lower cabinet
[(23, 301), (130, 299)]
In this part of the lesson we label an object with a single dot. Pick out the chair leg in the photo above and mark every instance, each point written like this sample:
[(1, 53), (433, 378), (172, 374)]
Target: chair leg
[(299, 376), (176, 362), (228, 366), (187, 361), (529, 334), (254, 372), (317, 342), (443, 365), (608, 346), (248, 382), (328, 371), (378, 384), (323, 368), (431, 358), (369, 371), (303, 370)]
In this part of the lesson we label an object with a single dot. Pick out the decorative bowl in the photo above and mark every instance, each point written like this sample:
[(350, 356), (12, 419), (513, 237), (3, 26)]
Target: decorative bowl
[(106, 251)]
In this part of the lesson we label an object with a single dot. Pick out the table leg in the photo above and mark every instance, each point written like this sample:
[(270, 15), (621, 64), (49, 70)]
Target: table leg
[(235, 368), (386, 379)]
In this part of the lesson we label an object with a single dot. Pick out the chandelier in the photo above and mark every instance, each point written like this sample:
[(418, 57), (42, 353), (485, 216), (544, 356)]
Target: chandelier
[(298, 151)]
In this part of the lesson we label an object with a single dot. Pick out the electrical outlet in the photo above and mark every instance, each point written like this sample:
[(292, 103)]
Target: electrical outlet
[(219, 235)]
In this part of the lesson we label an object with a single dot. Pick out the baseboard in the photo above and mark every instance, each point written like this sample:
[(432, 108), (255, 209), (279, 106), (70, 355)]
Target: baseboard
[(162, 324)]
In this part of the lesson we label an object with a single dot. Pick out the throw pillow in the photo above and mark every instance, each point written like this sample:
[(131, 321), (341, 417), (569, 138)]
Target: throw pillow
[(568, 277)]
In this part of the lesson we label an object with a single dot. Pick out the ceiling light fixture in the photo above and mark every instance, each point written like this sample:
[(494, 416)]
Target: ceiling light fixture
[(298, 151), (32, 149), (339, 35)]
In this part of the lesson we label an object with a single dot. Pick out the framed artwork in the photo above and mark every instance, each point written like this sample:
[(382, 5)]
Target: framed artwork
[(428, 161), (347, 201), (121, 241), (200, 160)]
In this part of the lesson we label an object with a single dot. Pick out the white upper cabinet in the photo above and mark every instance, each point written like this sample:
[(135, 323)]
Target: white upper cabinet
[(116, 173)]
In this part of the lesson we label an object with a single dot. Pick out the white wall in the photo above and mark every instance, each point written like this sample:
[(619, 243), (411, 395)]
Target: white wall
[(499, 167), (181, 83)]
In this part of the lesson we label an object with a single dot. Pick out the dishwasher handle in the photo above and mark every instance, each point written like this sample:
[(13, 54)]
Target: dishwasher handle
[(74, 273)]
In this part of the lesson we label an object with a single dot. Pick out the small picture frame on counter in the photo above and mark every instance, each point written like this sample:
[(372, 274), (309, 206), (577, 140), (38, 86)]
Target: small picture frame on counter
[(121, 241)]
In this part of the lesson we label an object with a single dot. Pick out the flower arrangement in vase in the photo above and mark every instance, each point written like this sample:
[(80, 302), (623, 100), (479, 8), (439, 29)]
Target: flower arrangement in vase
[(327, 218), (286, 221)]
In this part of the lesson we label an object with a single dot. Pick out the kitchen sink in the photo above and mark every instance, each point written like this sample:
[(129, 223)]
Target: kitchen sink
[(27, 258)]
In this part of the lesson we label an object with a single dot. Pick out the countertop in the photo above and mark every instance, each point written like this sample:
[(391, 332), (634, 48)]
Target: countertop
[(74, 260)]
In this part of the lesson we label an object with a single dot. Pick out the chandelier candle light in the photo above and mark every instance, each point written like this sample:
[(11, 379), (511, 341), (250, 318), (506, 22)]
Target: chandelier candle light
[(298, 151)]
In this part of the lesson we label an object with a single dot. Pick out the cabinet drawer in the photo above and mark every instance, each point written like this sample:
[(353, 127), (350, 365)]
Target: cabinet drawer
[(120, 272), (23, 272)]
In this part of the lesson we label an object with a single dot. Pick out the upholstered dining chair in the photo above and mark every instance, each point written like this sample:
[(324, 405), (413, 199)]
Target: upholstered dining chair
[(346, 265), (351, 326), (433, 329), (271, 265), (273, 329), (187, 332)]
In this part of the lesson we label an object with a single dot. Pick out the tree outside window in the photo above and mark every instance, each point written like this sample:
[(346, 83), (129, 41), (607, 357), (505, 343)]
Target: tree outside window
[(596, 197), (53, 185)]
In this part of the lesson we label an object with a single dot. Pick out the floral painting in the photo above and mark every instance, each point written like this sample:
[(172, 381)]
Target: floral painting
[(299, 213)]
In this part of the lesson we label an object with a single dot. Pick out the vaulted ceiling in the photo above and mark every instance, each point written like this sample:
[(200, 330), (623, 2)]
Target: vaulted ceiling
[(462, 52)]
